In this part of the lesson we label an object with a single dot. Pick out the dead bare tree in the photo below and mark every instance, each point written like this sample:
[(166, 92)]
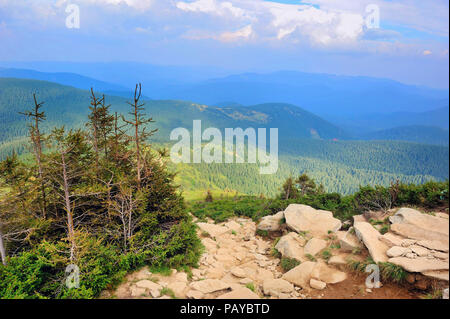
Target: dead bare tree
[(37, 138), (139, 122)]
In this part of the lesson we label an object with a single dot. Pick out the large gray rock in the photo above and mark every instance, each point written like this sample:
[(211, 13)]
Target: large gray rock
[(315, 246), (413, 224), (420, 264), (290, 246), (329, 275), (398, 251), (272, 222), (302, 218), (300, 275), (209, 285), (348, 241), (239, 293), (277, 286), (370, 237)]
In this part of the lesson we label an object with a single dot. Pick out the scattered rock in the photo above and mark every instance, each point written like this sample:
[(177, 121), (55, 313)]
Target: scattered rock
[(413, 224), (209, 285), (137, 292), (338, 260), (317, 284), (314, 246), (241, 293), (238, 272), (369, 236), (147, 284), (398, 251), (329, 275), (277, 286), (212, 230), (272, 222), (300, 275), (178, 288), (419, 264), (437, 274), (194, 294), (348, 241), (290, 246), (419, 250), (391, 239), (302, 218)]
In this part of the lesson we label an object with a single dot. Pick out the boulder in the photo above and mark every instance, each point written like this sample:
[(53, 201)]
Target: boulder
[(437, 274), (240, 293), (398, 251), (391, 239), (348, 241), (302, 218), (272, 222), (147, 284), (419, 264), (419, 250), (194, 294), (433, 245), (137, 291), (329, 275), (338, 260), (314, 246), (209, 285), (212, 230), (290, 246), (238, 272), (300, 275), (413, 224), (178, 288), (369, 236), (445, 294), (277, 286), (317, 284)]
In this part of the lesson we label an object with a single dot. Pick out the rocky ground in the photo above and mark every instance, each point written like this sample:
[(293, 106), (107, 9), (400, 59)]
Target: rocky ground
[(239, 264)]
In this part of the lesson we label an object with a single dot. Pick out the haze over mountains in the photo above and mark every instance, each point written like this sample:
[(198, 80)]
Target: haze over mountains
[(361, 107)]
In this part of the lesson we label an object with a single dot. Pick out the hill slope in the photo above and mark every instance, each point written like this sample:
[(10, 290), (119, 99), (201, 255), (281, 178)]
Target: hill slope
[(340, 165)]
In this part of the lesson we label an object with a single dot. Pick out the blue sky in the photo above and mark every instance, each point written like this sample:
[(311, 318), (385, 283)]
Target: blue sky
[(327, 36)]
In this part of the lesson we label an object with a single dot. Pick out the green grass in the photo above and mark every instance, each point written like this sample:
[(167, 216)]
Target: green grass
[(250, 286), (289, 263), (168, 292)]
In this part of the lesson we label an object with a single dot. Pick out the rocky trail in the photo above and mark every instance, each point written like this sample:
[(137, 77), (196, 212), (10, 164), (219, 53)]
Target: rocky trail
[(239, 264)]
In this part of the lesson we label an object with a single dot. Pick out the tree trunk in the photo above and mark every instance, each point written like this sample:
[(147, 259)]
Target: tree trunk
[(68, 207), (2, 248)]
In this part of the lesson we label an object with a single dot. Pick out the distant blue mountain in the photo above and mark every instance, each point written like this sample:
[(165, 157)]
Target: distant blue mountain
[(65, 78), (322, 94)]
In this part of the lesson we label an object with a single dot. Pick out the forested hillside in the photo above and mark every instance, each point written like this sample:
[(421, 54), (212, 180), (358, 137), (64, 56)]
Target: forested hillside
[(307, 142)]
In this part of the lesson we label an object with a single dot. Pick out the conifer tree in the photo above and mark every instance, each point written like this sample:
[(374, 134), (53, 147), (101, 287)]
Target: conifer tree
[(37, 139), (140, 134)]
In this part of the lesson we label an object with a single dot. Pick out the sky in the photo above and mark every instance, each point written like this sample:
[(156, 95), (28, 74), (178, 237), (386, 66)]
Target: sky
[(409, 43)]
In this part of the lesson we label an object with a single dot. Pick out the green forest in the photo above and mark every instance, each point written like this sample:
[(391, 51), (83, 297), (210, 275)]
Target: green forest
[(327, 154)]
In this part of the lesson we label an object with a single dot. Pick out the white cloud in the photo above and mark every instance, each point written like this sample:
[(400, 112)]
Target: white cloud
[(244, 33)]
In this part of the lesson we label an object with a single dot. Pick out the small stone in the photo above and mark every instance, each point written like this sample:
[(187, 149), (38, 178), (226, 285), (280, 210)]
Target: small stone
[(445, 294), (238, 272), (317, 284)]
